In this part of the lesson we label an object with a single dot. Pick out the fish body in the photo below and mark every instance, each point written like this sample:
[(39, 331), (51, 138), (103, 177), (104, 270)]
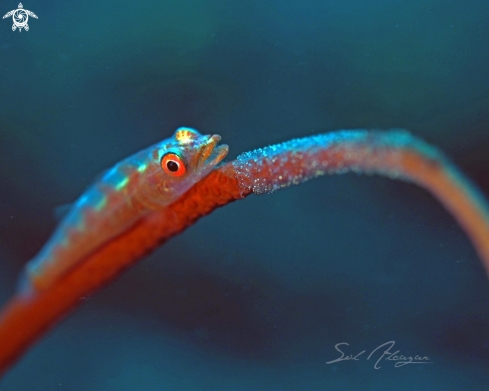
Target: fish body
[(147, 181)]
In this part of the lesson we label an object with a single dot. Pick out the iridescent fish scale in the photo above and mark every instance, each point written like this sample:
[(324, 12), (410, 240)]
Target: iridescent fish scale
[(131, 189)]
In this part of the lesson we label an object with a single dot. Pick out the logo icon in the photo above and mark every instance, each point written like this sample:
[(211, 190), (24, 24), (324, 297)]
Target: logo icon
[(20, 17)]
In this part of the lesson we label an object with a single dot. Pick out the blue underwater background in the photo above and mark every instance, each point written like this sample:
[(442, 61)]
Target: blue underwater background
[(256, 295)]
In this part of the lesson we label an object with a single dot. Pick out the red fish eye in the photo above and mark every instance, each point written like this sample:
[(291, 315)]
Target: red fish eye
[(172, 164)]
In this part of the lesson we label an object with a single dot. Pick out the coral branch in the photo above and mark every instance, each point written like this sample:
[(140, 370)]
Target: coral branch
[(395, 154)]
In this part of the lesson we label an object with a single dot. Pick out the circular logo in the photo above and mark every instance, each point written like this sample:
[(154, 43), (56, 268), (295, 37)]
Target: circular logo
[(20, 18)]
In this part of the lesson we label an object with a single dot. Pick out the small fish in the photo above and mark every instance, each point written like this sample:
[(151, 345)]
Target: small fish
[(135, 187)]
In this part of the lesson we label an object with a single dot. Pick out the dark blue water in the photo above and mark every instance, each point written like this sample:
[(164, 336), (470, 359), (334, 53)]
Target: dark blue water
[(256, 295)]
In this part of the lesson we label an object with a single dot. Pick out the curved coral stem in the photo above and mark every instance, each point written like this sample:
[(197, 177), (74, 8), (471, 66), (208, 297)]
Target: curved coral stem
[(396, 154)]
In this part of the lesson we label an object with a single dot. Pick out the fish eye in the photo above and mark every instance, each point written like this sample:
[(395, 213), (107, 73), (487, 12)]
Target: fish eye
[(172, 164)]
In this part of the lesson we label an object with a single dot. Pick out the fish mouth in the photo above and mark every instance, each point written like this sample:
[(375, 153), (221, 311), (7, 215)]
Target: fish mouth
[(210, 155)]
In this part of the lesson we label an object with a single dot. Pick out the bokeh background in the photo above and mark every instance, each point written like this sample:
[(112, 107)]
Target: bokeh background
[(256, 295)]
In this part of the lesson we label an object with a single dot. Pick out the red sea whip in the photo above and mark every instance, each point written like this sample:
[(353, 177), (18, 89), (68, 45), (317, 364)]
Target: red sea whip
[(395, 154)]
